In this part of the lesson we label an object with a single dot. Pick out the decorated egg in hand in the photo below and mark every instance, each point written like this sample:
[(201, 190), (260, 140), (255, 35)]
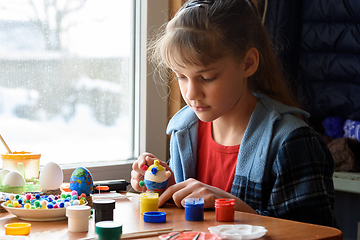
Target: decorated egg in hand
[(81, 181), (156, 177)]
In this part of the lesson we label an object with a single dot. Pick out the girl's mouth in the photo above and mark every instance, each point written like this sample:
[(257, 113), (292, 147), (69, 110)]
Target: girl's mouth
[(199, 108)]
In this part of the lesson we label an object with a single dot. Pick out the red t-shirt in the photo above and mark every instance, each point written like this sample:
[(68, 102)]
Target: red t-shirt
[(215, 163)]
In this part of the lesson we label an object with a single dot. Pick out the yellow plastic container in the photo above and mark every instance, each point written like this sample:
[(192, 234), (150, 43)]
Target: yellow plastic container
[(149, 202), (17, 228), (29, 160)]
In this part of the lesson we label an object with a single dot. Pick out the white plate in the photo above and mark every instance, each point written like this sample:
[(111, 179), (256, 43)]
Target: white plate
[(238, 231), (37, 214)]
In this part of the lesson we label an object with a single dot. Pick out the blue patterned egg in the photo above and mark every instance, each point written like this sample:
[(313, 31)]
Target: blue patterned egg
[(81, 181)]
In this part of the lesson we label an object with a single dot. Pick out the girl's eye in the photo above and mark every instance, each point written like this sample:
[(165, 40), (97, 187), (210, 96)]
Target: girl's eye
[(203, 78), (180, 78), (207, 79)]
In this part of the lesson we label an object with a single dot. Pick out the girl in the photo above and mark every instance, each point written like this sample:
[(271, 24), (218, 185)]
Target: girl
[(241, 135)]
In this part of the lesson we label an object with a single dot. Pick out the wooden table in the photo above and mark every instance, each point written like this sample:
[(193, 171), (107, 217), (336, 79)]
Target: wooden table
[(127, 212)]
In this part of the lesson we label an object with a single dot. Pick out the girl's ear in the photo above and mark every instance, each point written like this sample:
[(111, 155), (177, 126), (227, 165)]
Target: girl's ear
[(251, 61)]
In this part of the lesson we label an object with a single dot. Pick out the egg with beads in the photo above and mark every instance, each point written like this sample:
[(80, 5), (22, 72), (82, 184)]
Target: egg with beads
[(81, 181), (156, 177)]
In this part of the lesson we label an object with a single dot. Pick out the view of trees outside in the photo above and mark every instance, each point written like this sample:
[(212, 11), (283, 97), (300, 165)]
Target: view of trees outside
[(65, 79)]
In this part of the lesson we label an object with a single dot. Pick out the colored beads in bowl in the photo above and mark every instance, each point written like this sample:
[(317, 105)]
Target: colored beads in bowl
[(30, 201)]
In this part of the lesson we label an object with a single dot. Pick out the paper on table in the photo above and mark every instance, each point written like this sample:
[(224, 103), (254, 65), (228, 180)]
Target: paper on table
[(109, 195)]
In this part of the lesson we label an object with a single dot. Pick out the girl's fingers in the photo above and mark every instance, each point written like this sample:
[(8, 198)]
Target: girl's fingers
[(144, 159), (136, 179), (177, 191), (189, 188)]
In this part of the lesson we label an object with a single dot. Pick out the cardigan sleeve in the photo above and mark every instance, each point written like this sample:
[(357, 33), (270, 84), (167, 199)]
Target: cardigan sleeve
[(303, 187)]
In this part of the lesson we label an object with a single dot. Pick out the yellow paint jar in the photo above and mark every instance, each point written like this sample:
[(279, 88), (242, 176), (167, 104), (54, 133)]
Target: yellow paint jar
[(149, 202)]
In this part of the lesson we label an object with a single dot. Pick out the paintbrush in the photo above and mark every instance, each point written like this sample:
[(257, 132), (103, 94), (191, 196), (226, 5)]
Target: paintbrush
[(7, 148)]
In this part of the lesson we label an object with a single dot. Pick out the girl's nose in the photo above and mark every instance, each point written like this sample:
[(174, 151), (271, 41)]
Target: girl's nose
[(194, 91)]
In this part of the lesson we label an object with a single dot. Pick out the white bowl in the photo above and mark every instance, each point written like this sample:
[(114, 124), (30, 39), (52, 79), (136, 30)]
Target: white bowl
[(37, 214)]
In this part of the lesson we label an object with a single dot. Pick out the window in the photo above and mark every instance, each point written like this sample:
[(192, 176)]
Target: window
[(75, 85)]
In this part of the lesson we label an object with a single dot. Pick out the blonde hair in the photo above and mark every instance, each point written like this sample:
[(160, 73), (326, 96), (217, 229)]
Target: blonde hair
[(202, 32)]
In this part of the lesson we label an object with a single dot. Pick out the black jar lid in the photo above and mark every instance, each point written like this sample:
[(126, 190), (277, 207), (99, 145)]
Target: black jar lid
[(104, 204)]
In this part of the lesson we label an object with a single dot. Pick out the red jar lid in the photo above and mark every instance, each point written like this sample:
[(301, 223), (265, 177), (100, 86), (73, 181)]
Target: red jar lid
[(224, 202)]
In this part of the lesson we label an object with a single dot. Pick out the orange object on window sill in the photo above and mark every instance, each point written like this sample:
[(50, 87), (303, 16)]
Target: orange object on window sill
[(66, 187)]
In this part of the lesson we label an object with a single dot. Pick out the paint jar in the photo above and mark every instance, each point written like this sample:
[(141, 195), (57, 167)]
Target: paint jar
[(29, 160), (194, 209), (104, 209), (149, 202), (224, 209), (78, 218), (108, 230)]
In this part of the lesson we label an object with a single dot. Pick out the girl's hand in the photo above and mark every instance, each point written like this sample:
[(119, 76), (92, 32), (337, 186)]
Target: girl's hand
[(137, 174), (192, 188)]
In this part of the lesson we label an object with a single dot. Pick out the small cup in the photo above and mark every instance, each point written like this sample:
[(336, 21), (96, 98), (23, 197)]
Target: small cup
[(149, 202), (194, 209), (30, 161), (104, 209), (225, 209), (78, 218), (108, 230)]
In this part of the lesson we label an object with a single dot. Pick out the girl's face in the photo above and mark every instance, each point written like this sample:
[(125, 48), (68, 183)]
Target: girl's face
[(215, 91)]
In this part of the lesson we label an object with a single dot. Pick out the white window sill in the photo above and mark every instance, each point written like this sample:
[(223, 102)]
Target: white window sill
[(347, 182)]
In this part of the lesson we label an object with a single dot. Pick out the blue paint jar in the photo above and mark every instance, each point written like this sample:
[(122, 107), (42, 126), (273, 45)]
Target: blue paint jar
[(194, 209)]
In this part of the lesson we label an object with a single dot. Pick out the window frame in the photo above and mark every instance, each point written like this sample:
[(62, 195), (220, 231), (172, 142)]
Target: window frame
[(151, 114)]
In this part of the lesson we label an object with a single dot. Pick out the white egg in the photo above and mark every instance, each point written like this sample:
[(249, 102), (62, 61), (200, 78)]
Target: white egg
[(51, 176), (14, 179), (3, 173)]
